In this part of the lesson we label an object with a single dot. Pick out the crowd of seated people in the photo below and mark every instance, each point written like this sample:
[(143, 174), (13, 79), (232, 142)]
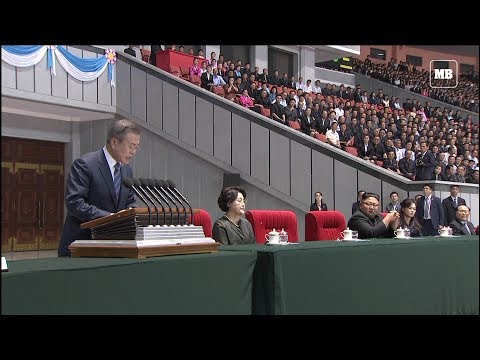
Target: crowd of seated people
[(409, 138), (407, 76)]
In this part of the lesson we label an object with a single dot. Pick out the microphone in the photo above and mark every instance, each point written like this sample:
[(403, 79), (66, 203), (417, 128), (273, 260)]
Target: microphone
[(174, 190), (128, 182), (165, 186), (152, 183), (162, 188), (144, 183), (139, 185), (157, 194)]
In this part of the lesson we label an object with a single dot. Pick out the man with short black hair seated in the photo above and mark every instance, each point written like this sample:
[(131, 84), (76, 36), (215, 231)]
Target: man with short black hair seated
[(369, 223)]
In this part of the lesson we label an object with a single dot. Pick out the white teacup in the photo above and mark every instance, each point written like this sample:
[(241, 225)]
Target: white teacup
[(400, 233), (348, 234), (273, 237), (444, 231)]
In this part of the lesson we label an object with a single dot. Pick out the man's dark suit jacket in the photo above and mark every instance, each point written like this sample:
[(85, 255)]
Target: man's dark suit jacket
[(449, 208), (355, 206), (425, 171), (459, 229), (369, 228), (227, 233), (436, 211), (90, 194)]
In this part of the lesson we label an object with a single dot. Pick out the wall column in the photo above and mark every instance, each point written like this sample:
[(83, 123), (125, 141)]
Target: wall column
[(259, 57), (307, 63)]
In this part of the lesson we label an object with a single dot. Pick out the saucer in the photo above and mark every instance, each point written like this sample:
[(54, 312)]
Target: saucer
[(354, 240), (402, 237), (447, 236)]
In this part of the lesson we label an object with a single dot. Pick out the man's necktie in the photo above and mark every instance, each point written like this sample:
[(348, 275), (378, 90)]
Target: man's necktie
[(455, 202), (468, 229), (117, 179), (427, 208)]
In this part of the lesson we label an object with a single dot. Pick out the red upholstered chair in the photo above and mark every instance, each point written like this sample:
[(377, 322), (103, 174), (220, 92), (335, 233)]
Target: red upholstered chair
[(204, 220), (324, 225), (264, 221)]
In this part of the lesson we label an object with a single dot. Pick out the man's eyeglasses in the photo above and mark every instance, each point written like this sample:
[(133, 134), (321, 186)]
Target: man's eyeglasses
[(131, 147)]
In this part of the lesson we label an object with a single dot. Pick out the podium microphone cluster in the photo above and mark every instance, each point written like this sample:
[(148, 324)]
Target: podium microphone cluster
[(130, 184), (160, 190)]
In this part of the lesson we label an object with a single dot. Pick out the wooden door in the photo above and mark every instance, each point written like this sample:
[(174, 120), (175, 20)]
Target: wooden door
[(33, 194)]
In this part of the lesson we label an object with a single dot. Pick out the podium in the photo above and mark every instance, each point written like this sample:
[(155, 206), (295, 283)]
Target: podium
[(129, 234)]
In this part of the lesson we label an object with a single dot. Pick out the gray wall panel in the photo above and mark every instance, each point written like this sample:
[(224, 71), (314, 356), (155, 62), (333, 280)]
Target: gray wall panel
[(159, 150), (154, 102), (186, 117), (204, 121), (90, 87), (60, 82), (279, 162), (139, 93), (85, 133), (322, 169), (346, 188), (370, 183), (99, 134), (222, 134), (25, 79), (170, 109), (473, 204), (43, 78), (386, 190), (75, 87), (142, 160), (259, 145), (27, 127), (301, 171), (122, 79), (8, 75), (104, 87), (241, 144)]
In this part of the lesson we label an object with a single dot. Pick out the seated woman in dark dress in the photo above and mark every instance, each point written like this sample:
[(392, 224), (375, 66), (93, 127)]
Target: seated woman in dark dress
[(408, 219), (232, 228)]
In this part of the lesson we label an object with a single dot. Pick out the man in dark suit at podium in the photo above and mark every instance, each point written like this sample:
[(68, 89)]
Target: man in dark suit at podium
[(94, 184)]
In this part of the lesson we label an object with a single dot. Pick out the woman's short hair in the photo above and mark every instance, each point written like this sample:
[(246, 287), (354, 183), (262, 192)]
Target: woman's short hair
[(228, 195)]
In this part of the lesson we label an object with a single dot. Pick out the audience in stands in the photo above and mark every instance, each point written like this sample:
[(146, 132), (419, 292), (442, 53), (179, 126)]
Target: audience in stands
[(431, 135)]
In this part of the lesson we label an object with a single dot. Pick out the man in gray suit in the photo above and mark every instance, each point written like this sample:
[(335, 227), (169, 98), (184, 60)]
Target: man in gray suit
[(395, 204), (94, 184)]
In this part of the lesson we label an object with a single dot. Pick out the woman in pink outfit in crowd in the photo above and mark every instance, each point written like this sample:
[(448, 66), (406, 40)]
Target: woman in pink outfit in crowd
[(245, 99), (195, 69)]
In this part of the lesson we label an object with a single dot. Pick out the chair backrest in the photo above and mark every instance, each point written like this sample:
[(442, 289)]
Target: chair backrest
[(264, 221), (204, 220), (324, 225)]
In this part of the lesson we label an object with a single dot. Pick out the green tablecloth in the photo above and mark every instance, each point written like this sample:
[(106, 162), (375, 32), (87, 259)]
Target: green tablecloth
[(381, 276), (216, 283)]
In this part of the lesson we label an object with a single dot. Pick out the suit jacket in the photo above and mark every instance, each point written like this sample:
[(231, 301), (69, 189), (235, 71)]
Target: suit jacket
[(389, 207), (425, 170), (315, 207), (227, 233), (205, 81), (355, 206), (449, 208), (90, 194), (459, 229), (369, 228), (436, 211)]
